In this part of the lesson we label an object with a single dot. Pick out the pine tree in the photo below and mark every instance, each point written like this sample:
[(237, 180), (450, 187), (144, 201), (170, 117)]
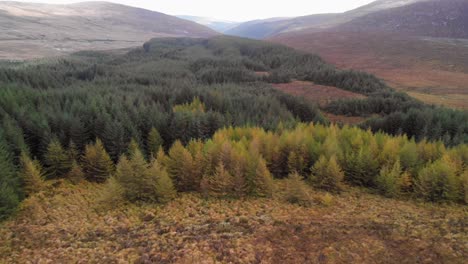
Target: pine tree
[(32, 175), (97, 164), (133, 176), (391, 181), (154, 142), (438, 182), (9, 186), (464, 179), (179, 166), (133, 148), (164, 187), (57, 160), (220, 184), (327, 174), (263, 181), (76, 174), (297, 190)]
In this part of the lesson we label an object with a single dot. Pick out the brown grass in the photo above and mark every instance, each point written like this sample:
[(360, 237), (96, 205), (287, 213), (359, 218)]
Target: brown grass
[(320, 94), (355, 227), (438, 68)]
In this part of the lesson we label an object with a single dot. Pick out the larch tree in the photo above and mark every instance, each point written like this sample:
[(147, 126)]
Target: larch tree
[(97, 164), (57, 161), (154, 142), (220, 184), (326, 174), (32, 175)]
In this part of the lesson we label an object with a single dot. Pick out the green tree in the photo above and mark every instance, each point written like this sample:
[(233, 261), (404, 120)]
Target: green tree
[(220, 184), (296, 190), (9, 187), (132, 174), (154, 142), (76, 174), (97, 164), (438, 182), (391, 181), (179, 165), (327, 174), (57, 161), (262, 180), (32, 175), (164, 187)]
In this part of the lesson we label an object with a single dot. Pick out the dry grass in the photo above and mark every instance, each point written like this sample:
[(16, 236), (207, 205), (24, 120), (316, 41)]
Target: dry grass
[(354, 227), (320, 94), (430, 67)]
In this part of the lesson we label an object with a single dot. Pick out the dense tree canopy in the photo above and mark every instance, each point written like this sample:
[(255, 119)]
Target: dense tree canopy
[(73, 117)]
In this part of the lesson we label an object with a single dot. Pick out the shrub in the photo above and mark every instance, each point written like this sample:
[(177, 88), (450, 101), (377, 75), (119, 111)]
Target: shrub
[(297, 190)]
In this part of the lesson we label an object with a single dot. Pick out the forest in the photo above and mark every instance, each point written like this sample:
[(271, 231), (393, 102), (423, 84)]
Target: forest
[(185, 115)]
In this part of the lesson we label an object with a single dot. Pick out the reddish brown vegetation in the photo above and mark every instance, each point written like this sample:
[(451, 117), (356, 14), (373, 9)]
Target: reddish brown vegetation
[(427, 67), (70, 227), (316, 93)]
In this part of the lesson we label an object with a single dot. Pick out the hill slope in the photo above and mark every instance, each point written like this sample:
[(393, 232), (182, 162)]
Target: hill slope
[(439, 18), (260, 29), (37, 30)]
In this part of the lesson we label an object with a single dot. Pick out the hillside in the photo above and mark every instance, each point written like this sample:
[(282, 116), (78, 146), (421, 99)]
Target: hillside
[(40, 30), (432, 70), (436, 18), (70, 226), (261, 29), (208, 150)]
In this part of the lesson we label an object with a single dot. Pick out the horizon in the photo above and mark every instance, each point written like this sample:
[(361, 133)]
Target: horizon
[(231, 11)]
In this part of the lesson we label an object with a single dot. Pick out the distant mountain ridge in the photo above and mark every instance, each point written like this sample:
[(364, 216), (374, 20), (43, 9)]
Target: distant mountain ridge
[(416, 17), (215, 24), (29, 30)]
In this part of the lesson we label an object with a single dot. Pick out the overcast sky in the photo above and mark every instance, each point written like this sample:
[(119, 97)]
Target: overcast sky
[(237, 10)]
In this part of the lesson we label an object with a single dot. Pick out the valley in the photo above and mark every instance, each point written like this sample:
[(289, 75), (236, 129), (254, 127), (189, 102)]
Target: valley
[(132, 136)]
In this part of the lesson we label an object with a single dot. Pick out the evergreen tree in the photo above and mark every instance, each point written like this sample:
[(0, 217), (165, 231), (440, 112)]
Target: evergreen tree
[(32, 175), (132, 174), (9, 186), (57, 161), (327, 174), (297, 190), (154, 142), (438, 182), (263, 181), (164, 187), (220, 184), (391, 181), (97, 164), (179, 166), (76, 174)]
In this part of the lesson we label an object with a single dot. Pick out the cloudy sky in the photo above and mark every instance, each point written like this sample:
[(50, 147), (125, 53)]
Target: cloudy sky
[(237, 10)]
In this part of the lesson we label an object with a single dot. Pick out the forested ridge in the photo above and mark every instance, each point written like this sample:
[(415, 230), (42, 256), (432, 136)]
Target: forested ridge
[(75, 117)]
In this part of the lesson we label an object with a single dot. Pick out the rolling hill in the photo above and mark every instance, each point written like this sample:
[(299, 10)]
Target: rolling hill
[(37, 30), (261, 29)]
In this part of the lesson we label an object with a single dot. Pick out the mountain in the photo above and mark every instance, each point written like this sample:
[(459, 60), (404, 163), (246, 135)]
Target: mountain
[(30, 30), (439, 18), (215, 24), (261, 29), (421, 47)]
